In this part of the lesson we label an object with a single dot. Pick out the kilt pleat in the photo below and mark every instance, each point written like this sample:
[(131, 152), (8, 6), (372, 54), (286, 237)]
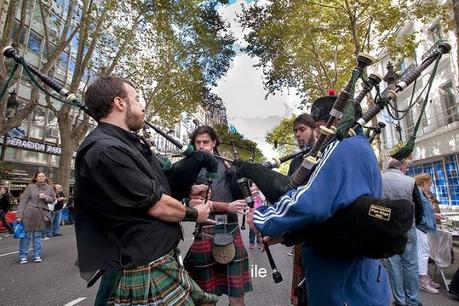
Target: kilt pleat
[(162, 282), (298, 273), (232, 279)]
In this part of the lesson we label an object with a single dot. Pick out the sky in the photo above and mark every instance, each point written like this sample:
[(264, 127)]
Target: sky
[(243, 93)]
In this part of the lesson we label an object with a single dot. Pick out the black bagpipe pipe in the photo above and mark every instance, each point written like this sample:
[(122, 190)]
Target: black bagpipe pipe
[(181, 175), (370, 227), (276, 162), (300, 176), (244, 185)]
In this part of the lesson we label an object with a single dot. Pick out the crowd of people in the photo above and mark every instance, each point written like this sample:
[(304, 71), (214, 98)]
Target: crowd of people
[(124, 212)]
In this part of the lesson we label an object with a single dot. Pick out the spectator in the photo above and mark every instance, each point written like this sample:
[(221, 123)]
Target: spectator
[(403, 269), (34, 213), (5, 207), (423, 181), (60, 198)]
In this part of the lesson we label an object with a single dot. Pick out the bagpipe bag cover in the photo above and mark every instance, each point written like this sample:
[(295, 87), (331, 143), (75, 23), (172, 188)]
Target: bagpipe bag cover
[(375, 228), (184, 172)]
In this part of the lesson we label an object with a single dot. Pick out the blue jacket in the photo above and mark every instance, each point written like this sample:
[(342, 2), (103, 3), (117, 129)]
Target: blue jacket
[(348, 170)]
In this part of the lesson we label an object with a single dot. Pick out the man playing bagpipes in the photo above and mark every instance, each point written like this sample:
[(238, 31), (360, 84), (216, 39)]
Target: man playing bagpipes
[(347, 171), (303, 129), (226, 272), (126, 221)]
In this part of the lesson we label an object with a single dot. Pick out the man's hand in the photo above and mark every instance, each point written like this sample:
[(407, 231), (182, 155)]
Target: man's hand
[(195, 202), (199, 192), (250, 221), (237, 206), (203, 213)]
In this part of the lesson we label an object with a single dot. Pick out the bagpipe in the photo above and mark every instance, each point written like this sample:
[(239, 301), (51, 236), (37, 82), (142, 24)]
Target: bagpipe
[(370, 227), (181, 175)]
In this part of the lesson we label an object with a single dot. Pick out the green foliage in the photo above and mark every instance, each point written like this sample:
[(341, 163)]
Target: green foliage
[(282, 137), (242, 145), (181, 49), (311, 45)]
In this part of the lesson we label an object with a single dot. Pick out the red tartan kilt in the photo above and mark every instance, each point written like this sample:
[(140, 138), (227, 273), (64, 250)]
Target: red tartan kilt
[(298, 273), (232, 279)]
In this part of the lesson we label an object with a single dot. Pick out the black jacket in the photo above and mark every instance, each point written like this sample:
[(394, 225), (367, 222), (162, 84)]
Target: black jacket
[(116, 181)]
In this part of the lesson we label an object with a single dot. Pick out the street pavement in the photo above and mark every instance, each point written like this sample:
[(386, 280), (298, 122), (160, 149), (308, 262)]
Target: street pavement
[(56, 280)]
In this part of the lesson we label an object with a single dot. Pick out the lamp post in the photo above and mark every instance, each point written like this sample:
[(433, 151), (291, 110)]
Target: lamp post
[(11, 107)]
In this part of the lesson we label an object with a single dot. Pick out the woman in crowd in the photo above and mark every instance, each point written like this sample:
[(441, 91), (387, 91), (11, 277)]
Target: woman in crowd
[(5, 207), (424, 182), (33, 212)]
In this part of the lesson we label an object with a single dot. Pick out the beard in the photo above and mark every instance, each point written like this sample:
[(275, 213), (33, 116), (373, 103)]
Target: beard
[(134, 122)]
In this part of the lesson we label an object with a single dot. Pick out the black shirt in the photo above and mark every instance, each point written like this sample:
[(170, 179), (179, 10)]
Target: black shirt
[(59, 204), (220, 188), (117, 181)]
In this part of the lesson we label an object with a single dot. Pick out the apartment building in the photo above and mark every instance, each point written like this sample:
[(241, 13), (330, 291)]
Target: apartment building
[(437, 144)]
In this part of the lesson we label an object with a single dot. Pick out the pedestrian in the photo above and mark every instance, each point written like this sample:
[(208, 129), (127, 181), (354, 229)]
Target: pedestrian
[(424, 182), (57, 212), (232, 279), (347, 171), (125, 221), (403, 269), (35, 215), (5, 206)]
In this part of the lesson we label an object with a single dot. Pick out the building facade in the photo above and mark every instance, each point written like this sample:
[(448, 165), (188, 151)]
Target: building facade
[(437, 141)]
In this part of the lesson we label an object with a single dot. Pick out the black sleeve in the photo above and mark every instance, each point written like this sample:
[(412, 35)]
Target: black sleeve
[(118, 175), (418, 208)]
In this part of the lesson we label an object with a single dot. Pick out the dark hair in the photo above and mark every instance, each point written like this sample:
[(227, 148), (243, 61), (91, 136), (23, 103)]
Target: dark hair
[(100, 94), (34, 179), (305, 119), (204, 129)]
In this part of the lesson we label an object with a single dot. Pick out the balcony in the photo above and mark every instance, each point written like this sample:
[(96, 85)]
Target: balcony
[(428, 125), (432, 49)]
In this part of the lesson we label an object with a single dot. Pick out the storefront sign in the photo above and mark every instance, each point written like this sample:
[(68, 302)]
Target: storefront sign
[(32, 145)]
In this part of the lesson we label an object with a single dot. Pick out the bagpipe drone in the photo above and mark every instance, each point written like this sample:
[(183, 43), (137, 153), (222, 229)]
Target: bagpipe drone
[(181, 175), (370, 227)]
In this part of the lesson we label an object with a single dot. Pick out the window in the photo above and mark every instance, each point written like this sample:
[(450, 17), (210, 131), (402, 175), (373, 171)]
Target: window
[(55, 160), (72, 65), (38, 116), (34, 43), (63, 60), (16, 32), (436, 33), (34, 157), (450, 104), (11, 153)]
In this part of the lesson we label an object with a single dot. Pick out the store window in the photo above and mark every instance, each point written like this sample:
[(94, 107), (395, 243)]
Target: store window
[(34, 157)]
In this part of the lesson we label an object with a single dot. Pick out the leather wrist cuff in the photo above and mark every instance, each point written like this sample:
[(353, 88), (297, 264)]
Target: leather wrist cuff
[(191, 214)]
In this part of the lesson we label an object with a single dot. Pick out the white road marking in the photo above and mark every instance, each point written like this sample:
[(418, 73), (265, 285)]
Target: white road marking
[(11, 253), (75, 301)]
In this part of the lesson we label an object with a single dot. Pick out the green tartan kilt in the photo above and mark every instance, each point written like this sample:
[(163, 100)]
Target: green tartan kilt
[(162, 282)]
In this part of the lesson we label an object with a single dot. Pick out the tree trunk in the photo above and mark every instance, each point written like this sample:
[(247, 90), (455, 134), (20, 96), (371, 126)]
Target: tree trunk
[(455, 5), (67, 148)]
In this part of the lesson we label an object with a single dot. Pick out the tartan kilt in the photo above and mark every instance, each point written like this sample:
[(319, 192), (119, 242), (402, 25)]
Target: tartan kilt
[(298, 273), (232, 279), (162, 282)]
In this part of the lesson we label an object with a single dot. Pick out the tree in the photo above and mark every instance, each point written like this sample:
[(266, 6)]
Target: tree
[(312, 45), (102, 44), (183, 50), (243, 146), (455, 9)]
